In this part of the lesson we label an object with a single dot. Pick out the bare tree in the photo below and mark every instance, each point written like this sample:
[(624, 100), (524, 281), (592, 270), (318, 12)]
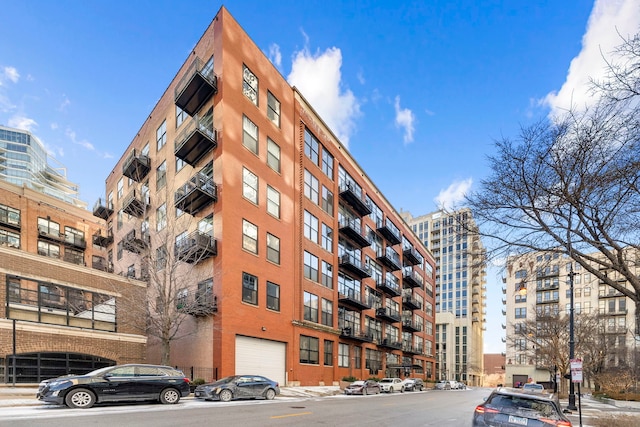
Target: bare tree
[(571, 184)]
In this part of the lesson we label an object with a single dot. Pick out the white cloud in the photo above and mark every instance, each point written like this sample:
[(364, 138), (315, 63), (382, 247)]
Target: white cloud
[(11, 74), (22, 122), (83, 143), (64, 104), (54, 126), (450, 197), (608, 18), (404, 119), (274, 55), (318, 77)]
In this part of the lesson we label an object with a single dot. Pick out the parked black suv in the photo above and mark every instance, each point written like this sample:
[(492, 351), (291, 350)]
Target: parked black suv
[(116, 383), (413, 384)]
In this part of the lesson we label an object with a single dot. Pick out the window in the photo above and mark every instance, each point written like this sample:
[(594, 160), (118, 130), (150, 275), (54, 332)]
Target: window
[(161, 217), (310, 227), (327, 163), (328, 353), (327, 238), (343, 355), (179, 164), (310, 186), (73, 255), (120, 191), (273, 155), (327, 200), (326, 317), (249, 288), (273, 201), (181, 116), (311, 146), (327, 275), (249, 85), (161, 135), (309, 350), (521, 312), (249, 236), (74, 236), (310, 307), (273, 248), (119, 249), (273, 296), (250, 185), (10, 239), (249, 134), (48, 249), (273, 109), (10, 215), (161, 257), (310, 266), (161, 175)]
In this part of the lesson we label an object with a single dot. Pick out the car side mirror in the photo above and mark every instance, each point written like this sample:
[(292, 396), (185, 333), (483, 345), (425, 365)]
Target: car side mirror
[(107, 376)]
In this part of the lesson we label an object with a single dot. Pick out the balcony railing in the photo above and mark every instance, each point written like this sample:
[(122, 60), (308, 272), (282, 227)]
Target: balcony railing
[(351, 193), (389, 257), (410, 303), (196, 139), (353, 299), (408, 324), (197, 85), (351, 265), (50, 234), (197, 304), (136, 166), (411, 279), (103, 241), (389, 231), (356, 335), (136, 243), (352, 230), (102, 209), (391, 343), (389, 315), (196, 247), (135, 204), (388, 287), (196, 194)]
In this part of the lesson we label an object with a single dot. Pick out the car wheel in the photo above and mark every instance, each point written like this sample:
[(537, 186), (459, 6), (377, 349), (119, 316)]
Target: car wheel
[(271, 393), (364, 391), (80, 398), (401, 389), (226, 395), (169, 396)]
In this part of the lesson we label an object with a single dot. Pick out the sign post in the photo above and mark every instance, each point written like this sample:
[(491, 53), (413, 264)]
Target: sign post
[(576, 377)]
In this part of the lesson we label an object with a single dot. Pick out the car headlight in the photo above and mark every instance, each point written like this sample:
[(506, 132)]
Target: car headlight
[(59, 384)]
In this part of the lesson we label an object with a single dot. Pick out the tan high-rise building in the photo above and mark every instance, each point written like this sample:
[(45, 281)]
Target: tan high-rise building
[(460, 292), (252, 222)]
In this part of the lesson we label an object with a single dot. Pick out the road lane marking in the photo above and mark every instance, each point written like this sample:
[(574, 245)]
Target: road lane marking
[(292, 415)]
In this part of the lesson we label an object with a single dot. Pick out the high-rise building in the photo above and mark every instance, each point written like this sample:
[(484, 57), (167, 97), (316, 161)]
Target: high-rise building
[(264, 242), (460, 292), (537, 288), (24, 162)]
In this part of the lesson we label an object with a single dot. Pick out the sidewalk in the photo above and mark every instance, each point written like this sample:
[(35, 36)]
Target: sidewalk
[(26, 396)]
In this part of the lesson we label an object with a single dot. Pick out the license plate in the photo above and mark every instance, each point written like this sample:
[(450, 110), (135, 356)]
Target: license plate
[(518, 420)]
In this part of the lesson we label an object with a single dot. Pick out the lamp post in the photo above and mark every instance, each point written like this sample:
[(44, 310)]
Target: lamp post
[(572, 396)]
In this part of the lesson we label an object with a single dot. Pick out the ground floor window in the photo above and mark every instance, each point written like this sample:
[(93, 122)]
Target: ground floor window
[(35, 367)]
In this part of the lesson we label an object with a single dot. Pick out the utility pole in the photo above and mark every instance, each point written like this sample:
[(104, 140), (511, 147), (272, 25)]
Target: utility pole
[(572, 396)]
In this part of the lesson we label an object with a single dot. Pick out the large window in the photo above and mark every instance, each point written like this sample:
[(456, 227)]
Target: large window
[(273, 155), (310, 307), (309, 350), (327, 275), (161, 175), (273, 248), (161, 135), (249, 134), (161, 257), (273, 109), (521, 312), (273, 201), (310, 266), (48, 227), (181, 116), (343, 355), (311, 146), (10, 239), (328, 353), (48, 249), (326, 317), (9, 215), (327, 163), (249, 85), (249, 236), (120, 188), (310, 227), (327, 238), (311, 186), (249, 288), (250, 185), (161, 217), (273, 296), (327, 200)]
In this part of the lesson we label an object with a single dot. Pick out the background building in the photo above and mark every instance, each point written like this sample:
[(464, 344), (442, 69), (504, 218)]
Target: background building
[(460, 292), (537, 287), (264, 243)]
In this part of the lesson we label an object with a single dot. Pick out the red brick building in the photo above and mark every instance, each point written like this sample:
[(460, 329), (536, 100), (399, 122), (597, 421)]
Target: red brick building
[(252, 222)]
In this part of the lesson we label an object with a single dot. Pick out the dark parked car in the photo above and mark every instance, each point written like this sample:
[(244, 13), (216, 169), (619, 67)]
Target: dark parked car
[(513, 407), (114, 384), (238, 387), (363, 388), (413, 384)]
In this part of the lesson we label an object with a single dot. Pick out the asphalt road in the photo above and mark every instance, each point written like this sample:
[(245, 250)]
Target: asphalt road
[(427, 408)]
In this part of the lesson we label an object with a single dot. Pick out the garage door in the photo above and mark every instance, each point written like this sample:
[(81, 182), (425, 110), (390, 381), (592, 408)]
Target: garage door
[(261, 357)]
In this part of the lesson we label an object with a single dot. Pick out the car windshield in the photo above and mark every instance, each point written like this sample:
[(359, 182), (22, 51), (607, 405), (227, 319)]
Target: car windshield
[(226, 380), (386, 380), (100, 371), (530, 408), (357, 383)]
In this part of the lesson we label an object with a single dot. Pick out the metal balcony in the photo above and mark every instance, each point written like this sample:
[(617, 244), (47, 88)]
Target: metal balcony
[(388, 287), (103, 241), (134, 242), (351, 193), (411, 279), (410, 303), (389, 258), (386, 314), (75, 241), (408, 324), (352, 230), (102, 210), (350, 265), (134, 204), (411, 349), (356, 335), (197, 304), (411, 256), (196, 247), (390, 343), (197, 85), (389, 231), (196, 140), (136, 166), (352, 299), (196, 194), (53, 235)]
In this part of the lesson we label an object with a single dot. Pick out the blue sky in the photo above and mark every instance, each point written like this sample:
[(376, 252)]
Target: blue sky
[(418, 90)]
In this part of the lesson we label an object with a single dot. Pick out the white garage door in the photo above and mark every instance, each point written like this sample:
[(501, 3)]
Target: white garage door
[(261, 357)]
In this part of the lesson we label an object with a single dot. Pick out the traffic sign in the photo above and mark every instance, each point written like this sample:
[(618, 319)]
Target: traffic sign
[(576, 370)]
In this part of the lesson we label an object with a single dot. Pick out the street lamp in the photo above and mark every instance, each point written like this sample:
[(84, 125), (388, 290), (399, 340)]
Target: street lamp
[(572, 396)]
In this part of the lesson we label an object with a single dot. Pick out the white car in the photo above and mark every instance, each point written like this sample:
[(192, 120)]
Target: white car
[(390, 385)]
